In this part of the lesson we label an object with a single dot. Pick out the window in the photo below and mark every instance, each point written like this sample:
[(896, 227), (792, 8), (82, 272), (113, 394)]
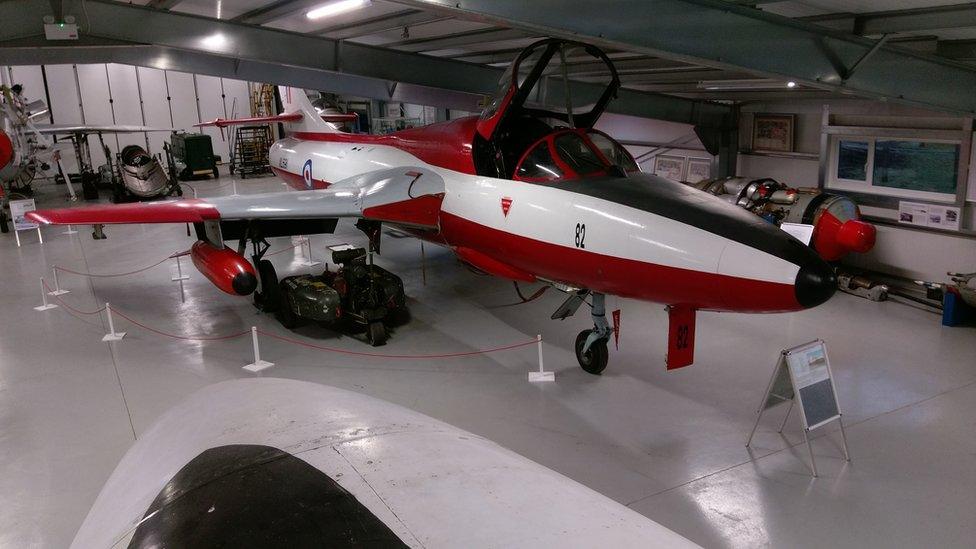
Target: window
[(539, 165), (613, 152), (852, 160), (911, 168), (916, 165)]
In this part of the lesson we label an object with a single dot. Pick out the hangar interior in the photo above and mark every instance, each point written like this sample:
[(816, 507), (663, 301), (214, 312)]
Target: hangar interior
[(871, 101)]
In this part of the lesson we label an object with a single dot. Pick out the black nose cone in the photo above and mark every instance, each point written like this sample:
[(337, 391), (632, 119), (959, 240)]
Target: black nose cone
[(816, 282), (244, 283)]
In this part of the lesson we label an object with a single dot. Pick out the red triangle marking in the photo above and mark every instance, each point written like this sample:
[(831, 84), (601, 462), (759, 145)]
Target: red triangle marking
[(506, 205)]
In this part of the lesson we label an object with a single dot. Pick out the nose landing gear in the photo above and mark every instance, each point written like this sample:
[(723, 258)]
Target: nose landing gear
[(591, 345)]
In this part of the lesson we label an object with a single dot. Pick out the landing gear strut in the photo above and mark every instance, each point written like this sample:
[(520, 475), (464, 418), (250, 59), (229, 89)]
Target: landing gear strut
[(591, 345), (268, 297)]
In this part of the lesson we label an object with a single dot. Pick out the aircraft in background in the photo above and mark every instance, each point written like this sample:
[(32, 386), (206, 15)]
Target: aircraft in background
[(527, 191), (26, 148), (286, 463)]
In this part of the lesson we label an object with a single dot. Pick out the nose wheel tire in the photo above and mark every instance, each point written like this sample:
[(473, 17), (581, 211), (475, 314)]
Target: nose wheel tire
[(594, 360)]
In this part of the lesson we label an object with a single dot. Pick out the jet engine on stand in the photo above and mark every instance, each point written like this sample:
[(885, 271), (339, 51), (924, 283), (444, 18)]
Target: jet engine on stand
[(142, 177), (838, 228)]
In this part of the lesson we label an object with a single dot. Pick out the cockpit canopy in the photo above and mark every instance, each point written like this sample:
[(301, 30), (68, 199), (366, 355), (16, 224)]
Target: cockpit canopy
[(539, 84), (538, 126), (572, 153)]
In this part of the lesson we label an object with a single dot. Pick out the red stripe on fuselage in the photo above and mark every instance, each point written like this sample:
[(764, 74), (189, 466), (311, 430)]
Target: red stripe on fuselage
[(296, 181), (619, 276)]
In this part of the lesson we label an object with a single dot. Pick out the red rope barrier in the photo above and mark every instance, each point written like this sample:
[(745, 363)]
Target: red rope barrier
[(292, 247), (93, 275), (295, 341), (381, 355), (176, 336), (69, 307)]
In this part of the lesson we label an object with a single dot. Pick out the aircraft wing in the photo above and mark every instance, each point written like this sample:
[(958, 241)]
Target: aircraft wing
[(405, 196), (64, 129)]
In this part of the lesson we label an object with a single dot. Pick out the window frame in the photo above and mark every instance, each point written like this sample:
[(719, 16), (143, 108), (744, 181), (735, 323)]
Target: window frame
[(868, 187)]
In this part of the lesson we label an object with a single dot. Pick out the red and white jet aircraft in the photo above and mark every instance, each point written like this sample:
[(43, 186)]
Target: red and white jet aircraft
[(515, 196)]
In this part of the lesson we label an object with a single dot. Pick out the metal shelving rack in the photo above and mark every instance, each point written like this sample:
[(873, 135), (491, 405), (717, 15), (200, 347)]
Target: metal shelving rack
[(251, 144)]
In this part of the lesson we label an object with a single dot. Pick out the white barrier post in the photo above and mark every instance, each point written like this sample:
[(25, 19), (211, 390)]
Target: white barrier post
[(235, 187), (57, 285), (541, 375), (308, 258), (112, 335), (180, 277), (179, 272), (258, 364), (45, 305), (70, 230)]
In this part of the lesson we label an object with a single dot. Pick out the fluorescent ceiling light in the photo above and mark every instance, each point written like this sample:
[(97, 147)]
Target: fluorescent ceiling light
[(745, 84), (214, 41), (335, 8)]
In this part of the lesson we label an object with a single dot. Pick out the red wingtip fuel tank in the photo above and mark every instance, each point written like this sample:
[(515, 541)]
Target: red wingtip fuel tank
[(226, 268)]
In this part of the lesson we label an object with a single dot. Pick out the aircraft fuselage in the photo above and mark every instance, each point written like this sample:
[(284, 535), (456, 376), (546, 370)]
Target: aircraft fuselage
[(640, 237)]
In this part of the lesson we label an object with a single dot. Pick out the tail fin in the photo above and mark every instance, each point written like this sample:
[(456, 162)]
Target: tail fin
[(294, 100), (299, 116)]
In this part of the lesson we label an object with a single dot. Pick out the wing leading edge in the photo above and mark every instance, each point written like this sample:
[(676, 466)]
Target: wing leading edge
[(406, 196), (88, 128)]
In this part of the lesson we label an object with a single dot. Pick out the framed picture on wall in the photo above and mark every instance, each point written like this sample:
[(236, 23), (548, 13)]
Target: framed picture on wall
[(699, 169), (669, 167), (773, 132)]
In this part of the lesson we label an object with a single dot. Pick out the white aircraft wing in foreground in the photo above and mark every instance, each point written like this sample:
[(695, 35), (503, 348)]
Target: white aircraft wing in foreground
[(284, 463)]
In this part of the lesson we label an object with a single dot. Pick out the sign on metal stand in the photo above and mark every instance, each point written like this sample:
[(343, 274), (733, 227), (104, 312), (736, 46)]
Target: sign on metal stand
[(17, 210), (803, 374)]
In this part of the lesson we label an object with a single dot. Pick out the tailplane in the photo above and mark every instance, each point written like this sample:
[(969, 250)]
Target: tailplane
[(298, 115)]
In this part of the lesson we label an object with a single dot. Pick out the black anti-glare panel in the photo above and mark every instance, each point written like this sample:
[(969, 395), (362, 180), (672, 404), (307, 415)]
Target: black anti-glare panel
[(244, 496)]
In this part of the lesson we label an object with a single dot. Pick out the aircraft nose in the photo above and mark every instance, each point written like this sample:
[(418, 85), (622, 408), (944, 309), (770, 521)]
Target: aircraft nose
[(815, 283)]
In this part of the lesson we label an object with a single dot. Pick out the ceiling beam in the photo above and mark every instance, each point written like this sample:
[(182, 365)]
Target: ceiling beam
[(489, 57), (283, 57), (378, 24), (693, 77), (272, 11), (481, 36), (163, 4), (957, 49), (894, 21), (624, 66), (746, 96), (27, 52), (720, 34)]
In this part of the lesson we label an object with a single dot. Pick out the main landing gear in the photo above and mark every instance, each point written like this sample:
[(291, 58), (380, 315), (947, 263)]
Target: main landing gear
[(591, 345), (267, 298)]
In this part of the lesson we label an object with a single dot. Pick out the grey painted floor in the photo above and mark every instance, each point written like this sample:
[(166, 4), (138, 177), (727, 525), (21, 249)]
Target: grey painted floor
[(670, 445)]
